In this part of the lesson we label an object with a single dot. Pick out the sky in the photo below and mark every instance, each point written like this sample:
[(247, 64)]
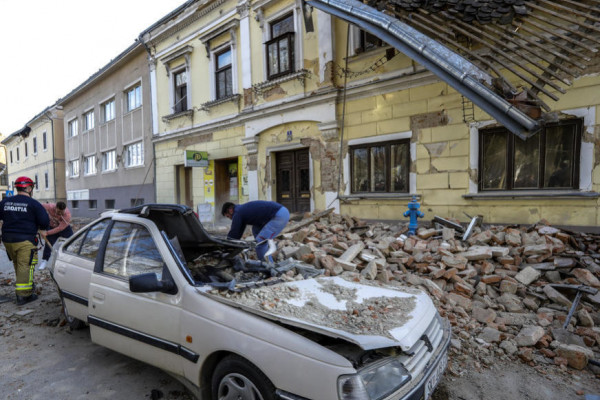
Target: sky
[(49, 47)]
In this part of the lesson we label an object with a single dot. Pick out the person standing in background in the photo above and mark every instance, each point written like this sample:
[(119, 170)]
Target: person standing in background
[(60, 226)]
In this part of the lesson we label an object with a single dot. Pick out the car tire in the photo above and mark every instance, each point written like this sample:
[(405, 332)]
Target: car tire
[(235, 378), (74, 323)]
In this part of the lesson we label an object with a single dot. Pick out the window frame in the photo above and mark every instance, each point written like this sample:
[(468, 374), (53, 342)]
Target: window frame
[(46, 180), (26, 150), (88, 120), (114, 160), (110, 116), (291, 42), (44, 141), (74, 170), (180, 101), (220, 70), (387, 144), (139, 157), (87, 162), (576, 142), (73, 127), (34, 145), (133, 93)]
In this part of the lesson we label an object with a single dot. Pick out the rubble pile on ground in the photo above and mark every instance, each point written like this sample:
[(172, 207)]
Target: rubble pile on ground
[(507, 290)]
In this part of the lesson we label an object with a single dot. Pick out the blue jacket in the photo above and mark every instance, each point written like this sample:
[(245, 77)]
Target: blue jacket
[(22, 216), (256, 213)]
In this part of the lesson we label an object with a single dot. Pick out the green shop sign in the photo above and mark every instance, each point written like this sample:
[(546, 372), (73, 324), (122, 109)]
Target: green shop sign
[(196, 158)]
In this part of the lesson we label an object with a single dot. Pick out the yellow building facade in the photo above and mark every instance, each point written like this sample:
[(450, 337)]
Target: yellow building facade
[(315, 114)]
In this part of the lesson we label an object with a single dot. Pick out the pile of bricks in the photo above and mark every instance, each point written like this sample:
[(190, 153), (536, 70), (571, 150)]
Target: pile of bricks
[(507, 290)]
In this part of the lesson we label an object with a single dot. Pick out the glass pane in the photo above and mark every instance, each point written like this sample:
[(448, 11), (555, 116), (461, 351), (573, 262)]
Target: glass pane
[(285, 181), (399, 160), (180, 79), (493, 175), (223, 59), (273, 59), (360, 171), (527, 161), (92, 240), (559, 150), (116, 248), (378, 172), (304, 180), (228, 82), (283, 26), (221, 87), (284, 55), (142, 256)]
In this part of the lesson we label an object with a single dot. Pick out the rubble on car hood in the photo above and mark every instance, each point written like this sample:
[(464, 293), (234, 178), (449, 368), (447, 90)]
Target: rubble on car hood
[(496, 287), (369, 314)]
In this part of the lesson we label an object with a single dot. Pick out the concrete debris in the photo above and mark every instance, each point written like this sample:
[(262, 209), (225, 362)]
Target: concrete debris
[(494, 286)]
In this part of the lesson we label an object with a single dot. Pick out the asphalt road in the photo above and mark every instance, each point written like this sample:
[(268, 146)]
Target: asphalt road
[(39, 359)]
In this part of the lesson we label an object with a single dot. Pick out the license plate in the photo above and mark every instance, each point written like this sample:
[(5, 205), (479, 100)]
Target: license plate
[(435, 376)]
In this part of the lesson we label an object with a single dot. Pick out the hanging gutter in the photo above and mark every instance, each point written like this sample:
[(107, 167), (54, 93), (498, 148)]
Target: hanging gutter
[(449, 66)]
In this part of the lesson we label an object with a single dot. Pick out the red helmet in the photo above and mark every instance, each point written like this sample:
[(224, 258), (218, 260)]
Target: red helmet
[(23, 182)]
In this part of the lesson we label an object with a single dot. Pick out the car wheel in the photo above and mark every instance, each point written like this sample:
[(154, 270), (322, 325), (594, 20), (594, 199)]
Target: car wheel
[(74, 323), (237, 379)]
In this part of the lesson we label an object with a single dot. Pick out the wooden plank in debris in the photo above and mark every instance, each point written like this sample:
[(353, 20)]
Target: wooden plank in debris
[(305, 222)]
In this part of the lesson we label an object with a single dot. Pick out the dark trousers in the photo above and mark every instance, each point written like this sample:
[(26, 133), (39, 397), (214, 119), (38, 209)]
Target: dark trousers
[(65, 233)]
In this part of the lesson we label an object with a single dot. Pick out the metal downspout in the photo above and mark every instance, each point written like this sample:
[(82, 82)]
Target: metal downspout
[(449, 66), (54, 158)]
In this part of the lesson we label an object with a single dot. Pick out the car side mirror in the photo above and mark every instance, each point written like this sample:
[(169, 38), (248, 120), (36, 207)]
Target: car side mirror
[(146, 283)]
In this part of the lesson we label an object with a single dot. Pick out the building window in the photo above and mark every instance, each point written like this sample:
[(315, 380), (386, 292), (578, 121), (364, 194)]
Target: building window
[(46, 181), (44, 141), (92, 204), (89, 166), (26, 152), (134, 155), (109, 204), (73, 128), (380, 167), (109, 160), (180, 88), (368, 41), (134, 98), (75, 204), (280, 49), (11, 157), (547, 160), (74, 168), (223, 74), (108, 111), (35, 145), (136, 202), (18, 157), (35, 179), (88, 120)]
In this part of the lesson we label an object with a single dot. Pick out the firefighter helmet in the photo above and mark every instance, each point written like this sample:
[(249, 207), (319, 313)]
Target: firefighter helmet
[(23, 182)]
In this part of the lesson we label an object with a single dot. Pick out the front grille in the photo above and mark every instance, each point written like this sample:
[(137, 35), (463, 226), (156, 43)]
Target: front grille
[(420, 354)]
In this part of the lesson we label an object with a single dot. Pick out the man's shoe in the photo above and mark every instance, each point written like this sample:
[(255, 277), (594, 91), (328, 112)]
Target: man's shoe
[(22, 300), (43, 265)]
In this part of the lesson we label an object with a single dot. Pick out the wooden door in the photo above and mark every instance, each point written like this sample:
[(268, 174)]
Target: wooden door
[(293, 180)]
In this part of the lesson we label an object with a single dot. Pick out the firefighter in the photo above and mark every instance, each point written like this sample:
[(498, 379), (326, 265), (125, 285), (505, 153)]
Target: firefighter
[(22, 218)]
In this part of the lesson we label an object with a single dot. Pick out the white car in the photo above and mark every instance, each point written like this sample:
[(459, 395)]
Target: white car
[(153, 284)]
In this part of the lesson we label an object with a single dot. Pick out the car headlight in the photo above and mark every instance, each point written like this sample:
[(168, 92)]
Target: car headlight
[(374, 382)]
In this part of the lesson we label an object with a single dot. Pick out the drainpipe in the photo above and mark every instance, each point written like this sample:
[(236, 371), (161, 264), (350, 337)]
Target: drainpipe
[(53, 153)]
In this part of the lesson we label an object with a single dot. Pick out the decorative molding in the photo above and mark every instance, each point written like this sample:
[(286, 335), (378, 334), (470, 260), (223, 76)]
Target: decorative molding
[(243, 9), (210, 104), (229, 26), (329, 130), (301, 76), (183, 52), (186, 113), (251, 144)]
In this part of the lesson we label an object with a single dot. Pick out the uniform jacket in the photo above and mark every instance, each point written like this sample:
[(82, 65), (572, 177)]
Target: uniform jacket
[(21, 218)]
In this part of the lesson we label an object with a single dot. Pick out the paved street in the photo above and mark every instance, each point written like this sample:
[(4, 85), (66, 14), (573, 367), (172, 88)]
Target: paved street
[(42, 360)]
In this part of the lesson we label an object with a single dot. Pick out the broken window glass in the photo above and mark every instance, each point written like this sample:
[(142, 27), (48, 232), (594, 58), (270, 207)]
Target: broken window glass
[(547, 160), (527, 161), (494, 161), (378, 171), (399, 172), (360, 171)]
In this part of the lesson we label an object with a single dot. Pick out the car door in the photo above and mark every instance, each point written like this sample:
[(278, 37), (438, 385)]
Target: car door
[(73, 268), (144, 326)]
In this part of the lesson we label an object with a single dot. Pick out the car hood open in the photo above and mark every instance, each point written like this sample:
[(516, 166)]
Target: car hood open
[(368, 314)]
